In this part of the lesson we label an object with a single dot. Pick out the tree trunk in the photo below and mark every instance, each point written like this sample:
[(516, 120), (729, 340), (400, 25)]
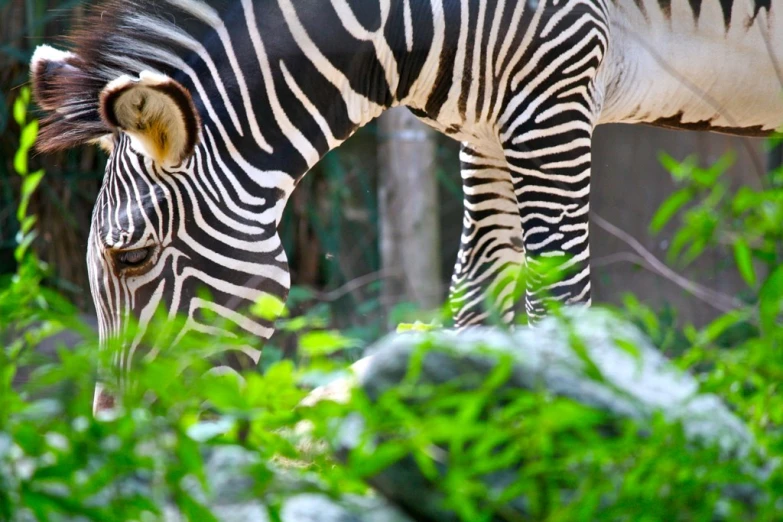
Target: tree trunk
[(408, 212)]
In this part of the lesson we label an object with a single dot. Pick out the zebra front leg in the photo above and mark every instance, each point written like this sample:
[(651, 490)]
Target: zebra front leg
[(484, 284), (550, 164)]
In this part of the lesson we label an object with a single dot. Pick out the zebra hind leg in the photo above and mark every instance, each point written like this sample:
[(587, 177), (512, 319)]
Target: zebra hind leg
[(551, 176), (484, 284), (546, 125)]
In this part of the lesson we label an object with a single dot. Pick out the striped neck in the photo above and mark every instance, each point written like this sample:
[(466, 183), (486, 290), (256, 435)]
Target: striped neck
[(275, 91)]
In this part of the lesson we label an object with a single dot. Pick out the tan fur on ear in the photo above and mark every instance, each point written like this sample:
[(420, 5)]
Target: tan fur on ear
[(156, 111)]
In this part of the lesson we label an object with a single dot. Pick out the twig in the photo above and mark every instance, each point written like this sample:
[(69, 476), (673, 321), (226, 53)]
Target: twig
[(718, 300), (629, 257), (353, 285)]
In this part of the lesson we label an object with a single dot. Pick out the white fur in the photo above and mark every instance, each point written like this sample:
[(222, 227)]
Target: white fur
[(47, 53), (118, 83), (701, 72)]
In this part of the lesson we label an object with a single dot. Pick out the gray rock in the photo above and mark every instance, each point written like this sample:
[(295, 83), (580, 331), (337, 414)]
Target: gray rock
[(306, 507), (230, 496), (618, 371)]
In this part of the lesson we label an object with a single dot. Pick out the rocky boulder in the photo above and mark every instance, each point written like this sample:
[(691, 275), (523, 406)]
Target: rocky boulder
[(588, 356)]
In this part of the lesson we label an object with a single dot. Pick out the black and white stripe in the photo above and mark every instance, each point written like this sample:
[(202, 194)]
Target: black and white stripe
[(278, 83)]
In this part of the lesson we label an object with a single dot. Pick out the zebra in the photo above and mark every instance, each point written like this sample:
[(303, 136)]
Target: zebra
[(213, 111)]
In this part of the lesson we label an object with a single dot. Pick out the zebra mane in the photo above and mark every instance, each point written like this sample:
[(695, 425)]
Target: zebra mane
[(110, 42)]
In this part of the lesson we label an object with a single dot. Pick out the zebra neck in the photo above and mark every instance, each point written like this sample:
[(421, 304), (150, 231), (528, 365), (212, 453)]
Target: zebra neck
[(279, 83), (304, 78)]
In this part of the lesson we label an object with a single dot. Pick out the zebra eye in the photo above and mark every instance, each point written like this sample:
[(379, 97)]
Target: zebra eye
[(132, 258)]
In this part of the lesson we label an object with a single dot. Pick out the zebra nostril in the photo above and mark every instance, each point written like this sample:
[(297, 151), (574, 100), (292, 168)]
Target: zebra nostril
[(132, 258)]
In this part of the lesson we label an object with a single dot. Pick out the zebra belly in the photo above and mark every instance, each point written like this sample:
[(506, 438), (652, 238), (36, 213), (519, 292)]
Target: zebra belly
[(681, 72)]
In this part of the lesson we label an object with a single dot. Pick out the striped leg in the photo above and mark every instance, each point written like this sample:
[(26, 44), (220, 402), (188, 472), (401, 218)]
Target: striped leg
[(551, 174), (546, 128), (485, 275)]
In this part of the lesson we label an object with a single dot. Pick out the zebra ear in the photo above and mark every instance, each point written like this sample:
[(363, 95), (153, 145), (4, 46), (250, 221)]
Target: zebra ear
[(156, 111), (49, 69), (62, 86)]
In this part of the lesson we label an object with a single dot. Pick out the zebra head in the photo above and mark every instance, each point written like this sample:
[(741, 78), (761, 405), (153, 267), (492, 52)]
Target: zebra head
[(182, 223)]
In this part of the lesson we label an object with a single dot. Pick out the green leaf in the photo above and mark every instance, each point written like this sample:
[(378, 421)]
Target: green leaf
[(680, 170), (628, 347), (20, 161), (720, 167), (669, 208), (720, 325), (418, 326), (317, 344), (20, 110), (27, 224), (770, 299), (744, 258), (29, 185), (745, 199), (269, 307), (37, 174), (29, 134), (24, 245), (668, 162), (694, 251), (678, 243), (194, 511), (21, 212), (382, 457), (190, 458), (7, 373)]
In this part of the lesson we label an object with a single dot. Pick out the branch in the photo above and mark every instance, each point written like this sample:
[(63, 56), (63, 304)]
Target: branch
[(644, 257), (353, 285)]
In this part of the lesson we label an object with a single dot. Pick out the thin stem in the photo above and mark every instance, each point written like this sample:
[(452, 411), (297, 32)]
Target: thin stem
[(722, 302)]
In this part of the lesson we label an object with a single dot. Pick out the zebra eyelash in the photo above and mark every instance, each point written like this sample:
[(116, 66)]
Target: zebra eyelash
[(133, 259)]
